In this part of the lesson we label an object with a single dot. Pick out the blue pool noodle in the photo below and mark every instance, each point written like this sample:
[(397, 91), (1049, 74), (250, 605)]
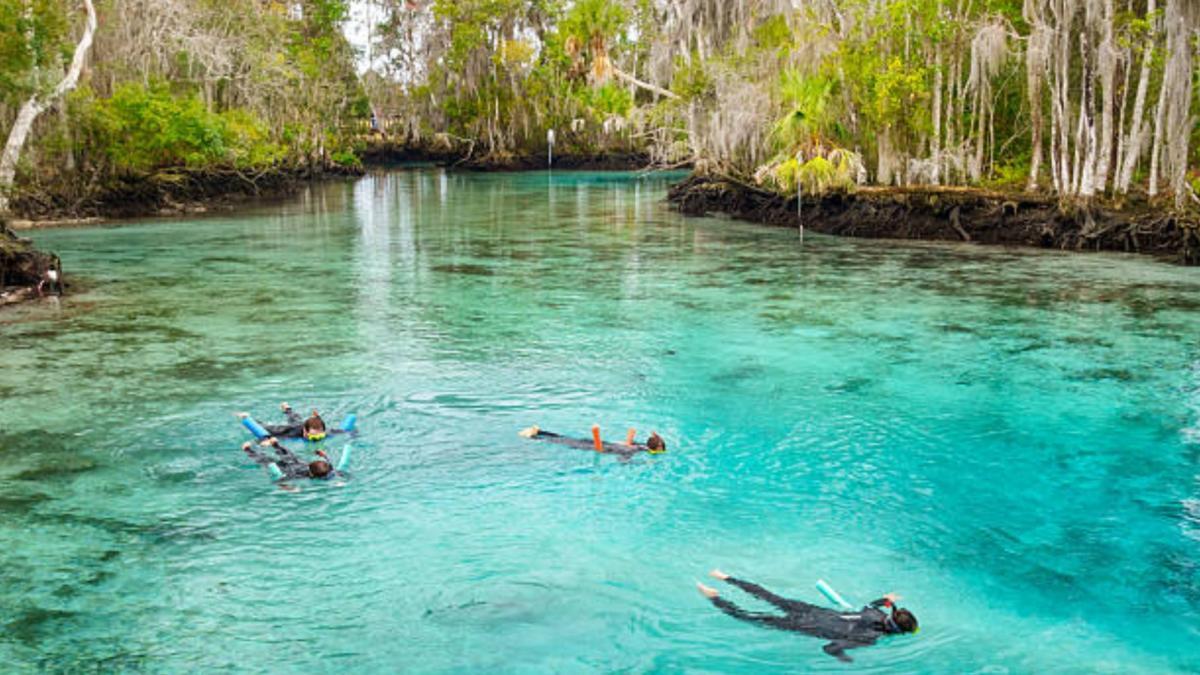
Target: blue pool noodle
[(349, 422), (344, 460), (255, 428), (833, 596), (275, 471)]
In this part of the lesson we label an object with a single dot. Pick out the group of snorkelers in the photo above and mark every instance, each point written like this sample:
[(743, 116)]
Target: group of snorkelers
[(845, 630), (289, 465)]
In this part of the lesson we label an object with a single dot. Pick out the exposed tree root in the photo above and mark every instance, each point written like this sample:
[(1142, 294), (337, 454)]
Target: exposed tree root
[(953, 214)]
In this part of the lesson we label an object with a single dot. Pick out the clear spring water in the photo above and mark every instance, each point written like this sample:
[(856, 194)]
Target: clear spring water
[(1010, 439)]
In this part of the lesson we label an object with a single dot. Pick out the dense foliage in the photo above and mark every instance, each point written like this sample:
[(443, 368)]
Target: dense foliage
[(234, 84), (1082, 97)]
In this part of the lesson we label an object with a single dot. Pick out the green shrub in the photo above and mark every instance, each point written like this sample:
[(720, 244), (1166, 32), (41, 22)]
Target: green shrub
[(146, 128)]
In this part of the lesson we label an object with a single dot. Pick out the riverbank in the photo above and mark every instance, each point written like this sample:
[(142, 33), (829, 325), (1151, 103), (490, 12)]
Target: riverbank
[(170, 192), (23, 268), (182, 191), (952, 214), (382, 153)]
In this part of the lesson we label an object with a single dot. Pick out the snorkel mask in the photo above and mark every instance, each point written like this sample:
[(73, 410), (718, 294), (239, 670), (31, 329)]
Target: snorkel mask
[(890, 625)]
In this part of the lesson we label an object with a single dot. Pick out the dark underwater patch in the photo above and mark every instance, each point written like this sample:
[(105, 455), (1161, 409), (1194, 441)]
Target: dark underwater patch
[(27, 624), (469, 270)]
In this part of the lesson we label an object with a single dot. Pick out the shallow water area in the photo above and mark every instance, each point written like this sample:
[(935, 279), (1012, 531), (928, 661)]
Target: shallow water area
[(1009, 439)]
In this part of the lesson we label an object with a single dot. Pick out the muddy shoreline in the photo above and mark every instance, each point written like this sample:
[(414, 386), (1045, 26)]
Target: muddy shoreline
[(387, 155), (25, 272), (952, 214), (168, 192)]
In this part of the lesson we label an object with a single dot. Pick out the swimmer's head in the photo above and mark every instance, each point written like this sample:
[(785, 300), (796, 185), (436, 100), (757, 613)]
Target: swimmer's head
[(655, 443), (319, 468), (905, 621)]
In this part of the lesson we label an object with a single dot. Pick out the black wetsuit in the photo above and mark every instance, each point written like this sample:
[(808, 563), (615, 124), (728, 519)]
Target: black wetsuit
[(625, 451), (293, 428), (292, 466), (845, 630)]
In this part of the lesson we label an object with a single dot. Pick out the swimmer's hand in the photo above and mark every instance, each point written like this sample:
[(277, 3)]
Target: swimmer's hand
[(718, 574), (241, 415), (288, 488), (246, 446), (529, 433), (284, 406), (892, 598), (322, 454), (707, 592)]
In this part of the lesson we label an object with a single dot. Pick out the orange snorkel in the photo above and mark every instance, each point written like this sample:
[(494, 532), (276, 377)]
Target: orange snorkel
[(596, 442)]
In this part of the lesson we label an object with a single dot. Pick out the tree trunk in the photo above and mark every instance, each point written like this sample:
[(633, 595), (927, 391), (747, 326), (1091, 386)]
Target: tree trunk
[(1063, 80), (1035, 74), (1181, 18), (1087, 120), (36, 105), (935, 149), (1123, 106), (1137, 128), (1107, 62), (1160, 115), (644, 85)]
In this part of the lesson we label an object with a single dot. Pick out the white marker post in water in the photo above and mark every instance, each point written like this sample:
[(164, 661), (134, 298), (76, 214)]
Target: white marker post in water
[(549, 148), (800, 194)]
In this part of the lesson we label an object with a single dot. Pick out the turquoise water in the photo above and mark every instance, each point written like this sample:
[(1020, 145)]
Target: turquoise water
[(1009, 439)]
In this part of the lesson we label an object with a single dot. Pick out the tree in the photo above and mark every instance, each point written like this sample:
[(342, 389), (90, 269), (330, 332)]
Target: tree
[(38, 102)]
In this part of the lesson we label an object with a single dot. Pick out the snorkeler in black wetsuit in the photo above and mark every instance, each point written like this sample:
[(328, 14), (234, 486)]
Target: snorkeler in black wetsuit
[(845, 630), (312, 429), (653, 445), (292, 466)]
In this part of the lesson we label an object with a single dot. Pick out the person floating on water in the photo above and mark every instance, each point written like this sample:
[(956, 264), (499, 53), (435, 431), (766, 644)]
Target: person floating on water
[(290, 466), (311, 429), (314, 427), (845, 630), (653, 445)]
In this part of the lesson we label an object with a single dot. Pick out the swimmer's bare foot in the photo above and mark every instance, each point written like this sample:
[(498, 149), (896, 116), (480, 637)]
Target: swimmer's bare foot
[(718, 574), (288, 488), (246, 446), (707, 592), (284, 406), (529, 433)]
